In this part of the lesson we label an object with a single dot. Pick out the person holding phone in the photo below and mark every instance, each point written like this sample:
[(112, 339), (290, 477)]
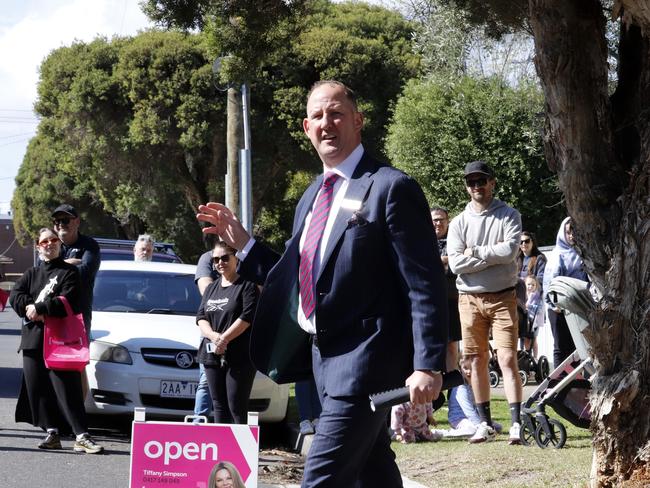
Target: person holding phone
[(224, 317)]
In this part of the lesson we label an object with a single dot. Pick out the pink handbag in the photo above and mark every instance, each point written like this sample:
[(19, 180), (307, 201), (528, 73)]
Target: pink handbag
[(4, 296), (65, 343)]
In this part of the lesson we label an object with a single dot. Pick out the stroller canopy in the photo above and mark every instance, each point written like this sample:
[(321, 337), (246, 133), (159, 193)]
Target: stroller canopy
[(572, 296)]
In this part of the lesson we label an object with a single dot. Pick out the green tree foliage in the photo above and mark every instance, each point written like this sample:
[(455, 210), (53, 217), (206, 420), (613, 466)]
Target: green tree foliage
[(438, 127), (364, 46), (247, 30), (135, 129), (131, 127), (452, 45)]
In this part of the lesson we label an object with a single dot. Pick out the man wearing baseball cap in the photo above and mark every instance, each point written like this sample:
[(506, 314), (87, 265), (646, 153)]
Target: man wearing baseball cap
[(80, 250), (482, 244)]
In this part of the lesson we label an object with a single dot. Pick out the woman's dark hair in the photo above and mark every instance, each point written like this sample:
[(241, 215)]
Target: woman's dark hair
[(225, 247), (532, 262), (44, 229)]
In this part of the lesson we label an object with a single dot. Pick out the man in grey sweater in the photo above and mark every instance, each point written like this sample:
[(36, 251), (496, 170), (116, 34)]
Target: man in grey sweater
[(482, 244)]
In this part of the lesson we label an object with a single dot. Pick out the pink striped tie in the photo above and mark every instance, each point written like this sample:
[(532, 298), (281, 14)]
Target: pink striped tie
[(314, 233)]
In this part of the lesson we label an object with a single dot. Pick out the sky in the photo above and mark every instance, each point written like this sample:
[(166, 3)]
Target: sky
[(29, 31)]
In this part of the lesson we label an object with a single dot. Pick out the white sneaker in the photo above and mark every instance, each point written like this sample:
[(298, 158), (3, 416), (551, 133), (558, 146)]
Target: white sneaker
[(513, 437), (465, 428), (484, 433)]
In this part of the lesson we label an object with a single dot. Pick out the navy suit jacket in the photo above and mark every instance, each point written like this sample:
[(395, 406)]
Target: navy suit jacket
[(381, 309)]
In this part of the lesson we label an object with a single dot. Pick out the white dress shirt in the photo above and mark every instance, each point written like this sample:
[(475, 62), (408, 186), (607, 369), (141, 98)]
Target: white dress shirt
[(345, 170)]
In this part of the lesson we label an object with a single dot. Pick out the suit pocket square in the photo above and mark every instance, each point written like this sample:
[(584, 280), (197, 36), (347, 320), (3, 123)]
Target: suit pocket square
[(357, 220)]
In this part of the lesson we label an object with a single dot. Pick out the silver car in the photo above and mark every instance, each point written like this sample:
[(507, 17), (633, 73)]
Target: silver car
[(144, 344)]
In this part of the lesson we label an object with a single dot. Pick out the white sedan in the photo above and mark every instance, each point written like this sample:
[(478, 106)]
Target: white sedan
[(144, 344)]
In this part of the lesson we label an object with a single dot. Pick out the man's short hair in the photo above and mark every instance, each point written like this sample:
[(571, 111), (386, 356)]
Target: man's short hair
[(347, 91), (439, 209)]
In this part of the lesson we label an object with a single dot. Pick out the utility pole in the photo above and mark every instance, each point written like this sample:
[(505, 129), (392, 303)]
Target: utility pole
[(238, 168), (234, 142), (246, 185)]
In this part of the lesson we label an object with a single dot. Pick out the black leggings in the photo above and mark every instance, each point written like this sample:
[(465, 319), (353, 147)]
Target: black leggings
[(230, 388), (55, 397), (563, 345)]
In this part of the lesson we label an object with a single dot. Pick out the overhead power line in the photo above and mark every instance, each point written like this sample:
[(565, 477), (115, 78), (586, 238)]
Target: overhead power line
[(11, 136), (15, 142)]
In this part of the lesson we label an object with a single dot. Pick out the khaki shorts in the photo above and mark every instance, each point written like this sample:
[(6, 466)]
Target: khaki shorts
[(481, 311)]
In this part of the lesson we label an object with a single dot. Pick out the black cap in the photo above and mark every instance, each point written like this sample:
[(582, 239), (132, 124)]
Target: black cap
[(478, 167), (66, 209)]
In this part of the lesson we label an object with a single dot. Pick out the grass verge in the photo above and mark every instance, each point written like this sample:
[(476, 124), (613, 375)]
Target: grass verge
[(453, 463)]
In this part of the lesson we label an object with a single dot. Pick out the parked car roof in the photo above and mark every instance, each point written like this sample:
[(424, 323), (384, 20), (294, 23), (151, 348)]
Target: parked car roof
[(126, 244), (127, 255)]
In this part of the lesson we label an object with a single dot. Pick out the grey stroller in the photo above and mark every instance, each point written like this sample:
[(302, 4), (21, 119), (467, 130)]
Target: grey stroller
[(566, 389)]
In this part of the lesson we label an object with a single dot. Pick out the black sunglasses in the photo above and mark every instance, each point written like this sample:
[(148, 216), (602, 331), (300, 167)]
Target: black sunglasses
[(525, 241), (224, 259), (62, 221), (476, 182)]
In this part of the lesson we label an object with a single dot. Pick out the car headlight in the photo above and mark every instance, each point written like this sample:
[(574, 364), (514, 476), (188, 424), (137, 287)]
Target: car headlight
[(104, 351)]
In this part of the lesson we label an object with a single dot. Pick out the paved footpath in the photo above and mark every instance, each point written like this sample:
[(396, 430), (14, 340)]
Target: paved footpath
[(22, 465)]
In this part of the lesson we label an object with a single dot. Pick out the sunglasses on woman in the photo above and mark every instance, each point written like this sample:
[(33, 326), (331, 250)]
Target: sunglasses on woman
[(224, 259), (525, 241), (51, 240)]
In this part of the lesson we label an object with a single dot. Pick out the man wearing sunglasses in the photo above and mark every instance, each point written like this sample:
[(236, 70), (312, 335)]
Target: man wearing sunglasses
[(482, 245), (80, 250)]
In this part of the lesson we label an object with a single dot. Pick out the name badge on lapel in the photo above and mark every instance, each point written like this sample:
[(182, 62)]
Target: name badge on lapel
[(351, 204)]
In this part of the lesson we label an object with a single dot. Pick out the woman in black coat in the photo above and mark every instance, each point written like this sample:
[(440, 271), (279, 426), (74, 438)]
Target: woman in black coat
[(54, 397)]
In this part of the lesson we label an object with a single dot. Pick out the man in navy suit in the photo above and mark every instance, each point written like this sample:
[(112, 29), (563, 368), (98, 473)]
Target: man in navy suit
[(366, 310)]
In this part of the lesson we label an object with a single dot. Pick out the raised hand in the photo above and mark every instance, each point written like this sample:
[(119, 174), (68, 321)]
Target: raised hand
[(224, 223)]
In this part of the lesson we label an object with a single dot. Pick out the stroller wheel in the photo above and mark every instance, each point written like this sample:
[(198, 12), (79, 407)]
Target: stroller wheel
[(494, 379), (524, 377), (526, 436), (557, 437), (542, 370)]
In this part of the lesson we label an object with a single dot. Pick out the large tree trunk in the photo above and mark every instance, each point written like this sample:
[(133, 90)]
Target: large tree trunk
[(600, 147)]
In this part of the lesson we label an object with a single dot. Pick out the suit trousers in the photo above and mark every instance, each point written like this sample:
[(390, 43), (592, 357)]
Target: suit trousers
[(351, 447)]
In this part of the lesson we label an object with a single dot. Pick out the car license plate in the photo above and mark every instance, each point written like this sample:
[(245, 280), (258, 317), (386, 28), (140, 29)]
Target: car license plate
[(178, 389)]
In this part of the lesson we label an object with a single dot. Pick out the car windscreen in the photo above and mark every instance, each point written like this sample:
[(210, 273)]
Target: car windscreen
[(145, 292), (126, 255)]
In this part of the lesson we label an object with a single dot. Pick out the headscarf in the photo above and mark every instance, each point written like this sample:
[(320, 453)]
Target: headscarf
[(564, 260)]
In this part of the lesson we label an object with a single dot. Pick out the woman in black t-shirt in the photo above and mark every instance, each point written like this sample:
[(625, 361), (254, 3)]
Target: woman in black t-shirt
[(224, 317)]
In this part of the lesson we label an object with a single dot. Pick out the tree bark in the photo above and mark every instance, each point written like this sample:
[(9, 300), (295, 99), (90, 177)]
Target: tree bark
[(600, 147)]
